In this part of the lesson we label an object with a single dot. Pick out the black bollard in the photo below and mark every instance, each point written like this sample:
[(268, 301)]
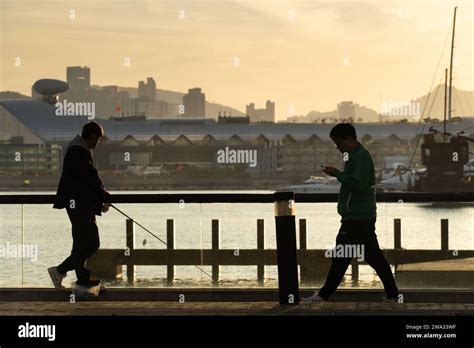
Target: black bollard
[(286, 248)]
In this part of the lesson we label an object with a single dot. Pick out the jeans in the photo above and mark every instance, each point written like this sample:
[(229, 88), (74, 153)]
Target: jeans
[(85, 237), (359, 232)]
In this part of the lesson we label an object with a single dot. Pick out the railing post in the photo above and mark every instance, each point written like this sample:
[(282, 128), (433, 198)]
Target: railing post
[(261, 247), (303, 246), (397, 233), (288, 287), (170, 247), (130, 228), (355, 271), (444, 234), (215, 249)]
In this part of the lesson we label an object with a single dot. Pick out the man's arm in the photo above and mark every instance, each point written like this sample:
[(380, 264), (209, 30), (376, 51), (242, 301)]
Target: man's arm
[(359, 177)]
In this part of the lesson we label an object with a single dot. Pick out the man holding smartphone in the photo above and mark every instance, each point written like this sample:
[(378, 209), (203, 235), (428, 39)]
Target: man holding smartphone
[(357, 207)]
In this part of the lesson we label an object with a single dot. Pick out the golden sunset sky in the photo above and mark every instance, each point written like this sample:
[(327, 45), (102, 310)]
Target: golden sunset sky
[(292, 52)]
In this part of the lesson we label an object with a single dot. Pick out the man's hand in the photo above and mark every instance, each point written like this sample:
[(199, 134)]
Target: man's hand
[(330, 171), (105, 207)]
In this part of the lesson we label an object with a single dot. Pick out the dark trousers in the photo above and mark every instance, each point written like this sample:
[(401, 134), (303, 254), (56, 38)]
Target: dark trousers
[(359, 232), (85, 242)]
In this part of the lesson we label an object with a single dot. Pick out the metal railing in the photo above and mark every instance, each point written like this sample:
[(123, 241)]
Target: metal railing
[(108, 262)]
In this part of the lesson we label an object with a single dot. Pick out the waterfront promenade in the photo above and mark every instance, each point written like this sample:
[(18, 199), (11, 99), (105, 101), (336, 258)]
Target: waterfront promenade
[(130, 308), (235, 302)]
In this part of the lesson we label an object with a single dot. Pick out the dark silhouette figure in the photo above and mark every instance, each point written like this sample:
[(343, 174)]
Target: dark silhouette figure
[(82, 193), (357, 207)]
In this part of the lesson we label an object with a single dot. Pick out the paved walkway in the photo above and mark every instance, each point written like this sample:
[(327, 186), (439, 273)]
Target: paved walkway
[(228, 308), (439, 296), (137, 301)]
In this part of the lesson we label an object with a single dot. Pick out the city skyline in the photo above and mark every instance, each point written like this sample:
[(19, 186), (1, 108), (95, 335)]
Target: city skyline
[(261, 54)]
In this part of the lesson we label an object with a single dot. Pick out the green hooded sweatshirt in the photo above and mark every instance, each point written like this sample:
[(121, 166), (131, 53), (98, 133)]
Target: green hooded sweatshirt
[(356, 199)]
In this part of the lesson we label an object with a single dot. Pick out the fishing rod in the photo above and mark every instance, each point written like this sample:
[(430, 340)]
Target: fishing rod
[(154, 235)]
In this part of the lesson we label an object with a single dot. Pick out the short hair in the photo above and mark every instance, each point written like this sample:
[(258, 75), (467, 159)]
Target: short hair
[(343, 130), (92, 128)]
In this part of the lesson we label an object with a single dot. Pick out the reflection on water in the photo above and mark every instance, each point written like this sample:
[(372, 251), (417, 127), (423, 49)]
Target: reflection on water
[(446, 205), (49, 229)]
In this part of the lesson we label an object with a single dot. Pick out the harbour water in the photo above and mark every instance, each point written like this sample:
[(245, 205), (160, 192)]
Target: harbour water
[(48, 230)]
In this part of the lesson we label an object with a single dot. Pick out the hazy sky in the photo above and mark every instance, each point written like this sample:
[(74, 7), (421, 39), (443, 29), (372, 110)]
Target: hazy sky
[(306, 54)]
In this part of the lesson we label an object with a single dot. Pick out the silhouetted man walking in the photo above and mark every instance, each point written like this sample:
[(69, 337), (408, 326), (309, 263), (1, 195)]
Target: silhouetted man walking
[(357, 207), (82, 193)]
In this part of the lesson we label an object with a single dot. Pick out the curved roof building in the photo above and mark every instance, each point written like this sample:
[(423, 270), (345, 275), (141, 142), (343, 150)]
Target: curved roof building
[(37, 122)]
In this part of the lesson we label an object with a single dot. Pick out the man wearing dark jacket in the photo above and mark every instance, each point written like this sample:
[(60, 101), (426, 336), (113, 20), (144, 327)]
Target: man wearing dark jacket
[(356, 205), (82, 193)]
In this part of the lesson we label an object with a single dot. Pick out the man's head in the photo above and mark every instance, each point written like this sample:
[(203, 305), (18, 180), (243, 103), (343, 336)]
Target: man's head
[(344, 137), (91, 133)]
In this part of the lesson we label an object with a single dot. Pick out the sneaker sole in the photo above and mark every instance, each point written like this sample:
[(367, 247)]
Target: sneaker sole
[(55, 284)]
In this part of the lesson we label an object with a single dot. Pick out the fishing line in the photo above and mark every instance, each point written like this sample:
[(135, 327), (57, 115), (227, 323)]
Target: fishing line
[(154, 235)]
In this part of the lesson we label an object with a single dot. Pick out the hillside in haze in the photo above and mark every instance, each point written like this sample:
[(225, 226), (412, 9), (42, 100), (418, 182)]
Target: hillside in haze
[(177, 98), (12, 95), (462, 105), (212, 109)]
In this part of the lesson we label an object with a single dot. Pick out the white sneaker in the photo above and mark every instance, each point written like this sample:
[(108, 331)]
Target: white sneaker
[(56, 277), (314, 298)]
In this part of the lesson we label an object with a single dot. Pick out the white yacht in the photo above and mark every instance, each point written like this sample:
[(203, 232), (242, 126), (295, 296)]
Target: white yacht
[(401, 181)]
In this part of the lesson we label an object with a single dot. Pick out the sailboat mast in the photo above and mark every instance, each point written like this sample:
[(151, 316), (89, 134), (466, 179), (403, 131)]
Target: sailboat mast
[(451, 67), (445, 101)]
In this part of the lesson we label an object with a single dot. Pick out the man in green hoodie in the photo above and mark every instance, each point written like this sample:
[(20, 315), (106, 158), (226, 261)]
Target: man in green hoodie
[(356, 205)]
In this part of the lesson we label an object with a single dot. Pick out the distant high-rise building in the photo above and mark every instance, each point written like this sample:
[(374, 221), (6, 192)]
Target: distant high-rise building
[(261, 115), (270, 106), (194, 103), (142, 90), (124, 95), (151, 88), (79, 78), (110, 91), (147, 91), (346, 110), (160, 108)]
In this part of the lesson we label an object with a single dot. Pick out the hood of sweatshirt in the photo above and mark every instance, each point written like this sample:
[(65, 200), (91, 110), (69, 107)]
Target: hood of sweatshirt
[(79, 141)]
